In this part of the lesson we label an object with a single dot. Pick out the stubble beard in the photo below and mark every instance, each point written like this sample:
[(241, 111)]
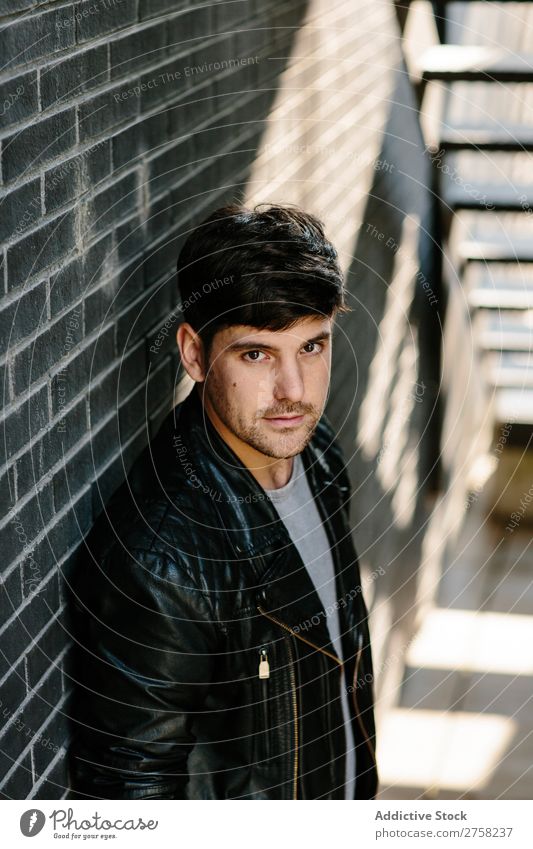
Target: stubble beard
[(280, 445), (277, 447)]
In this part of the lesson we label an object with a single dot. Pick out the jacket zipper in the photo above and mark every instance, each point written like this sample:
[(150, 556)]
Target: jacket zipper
[(263, 675), (341, 666), (294, 700), (293, 680), (363, 729)]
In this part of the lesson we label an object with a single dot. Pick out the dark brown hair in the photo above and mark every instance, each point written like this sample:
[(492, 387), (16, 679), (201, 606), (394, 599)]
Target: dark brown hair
[(268, 268)]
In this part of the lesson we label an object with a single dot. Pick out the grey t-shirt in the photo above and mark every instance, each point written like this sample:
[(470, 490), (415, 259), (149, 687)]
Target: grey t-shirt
[(297, 509)]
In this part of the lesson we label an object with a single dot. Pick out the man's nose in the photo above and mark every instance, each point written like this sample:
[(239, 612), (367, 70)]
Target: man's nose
[(288, 382)]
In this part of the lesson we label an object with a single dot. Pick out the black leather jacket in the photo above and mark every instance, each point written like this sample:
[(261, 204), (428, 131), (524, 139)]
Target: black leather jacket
[(188, 580)]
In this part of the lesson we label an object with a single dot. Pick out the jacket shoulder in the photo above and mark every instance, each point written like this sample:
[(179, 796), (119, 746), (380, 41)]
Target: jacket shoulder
[(328, 447)]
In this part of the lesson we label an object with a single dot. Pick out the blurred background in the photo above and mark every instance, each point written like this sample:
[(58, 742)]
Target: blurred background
[(408, 129)]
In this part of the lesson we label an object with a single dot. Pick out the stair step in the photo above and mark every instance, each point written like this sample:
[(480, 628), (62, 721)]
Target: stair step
[(449, 62), (489, 251), (499, 180), (503, 287), (514, 405), (511, 138), (509, 369), (486, 196), (504, 237), (501, 299), (504, 331)]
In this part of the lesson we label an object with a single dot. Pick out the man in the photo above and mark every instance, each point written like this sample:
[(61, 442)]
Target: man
[(226, 652)]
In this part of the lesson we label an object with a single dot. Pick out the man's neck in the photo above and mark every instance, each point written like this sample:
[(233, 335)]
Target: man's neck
[(269, 472)]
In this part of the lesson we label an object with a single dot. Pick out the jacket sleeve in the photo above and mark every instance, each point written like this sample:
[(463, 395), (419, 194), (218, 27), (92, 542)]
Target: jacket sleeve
[(146, 654)]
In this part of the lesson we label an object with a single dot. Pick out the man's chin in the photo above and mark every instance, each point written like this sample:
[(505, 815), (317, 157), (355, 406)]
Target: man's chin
[(286, 445)]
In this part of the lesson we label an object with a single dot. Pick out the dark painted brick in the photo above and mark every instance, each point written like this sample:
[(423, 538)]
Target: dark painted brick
[(10, 595), (19, 208), (161, 260), (49, 741), (25, 421), (43, 697), (45, 654), (39, 143), (226, 14), (184, 29), (113, 475), (135, 321), (46, 349), (13, 691), (110, 298), (170, 166), (78, 175), (82, 368), (129, 238), (160, 217), (150, 8), (37, 35), (99, 305), (27, 524), (143, 137), (138, 49), (18, 98), (7, 7), (106, 111), (55, 781), (24, 317), (191, 111), (46, 451), (105, 440), (19, 784), (73, 430), (111, 205), (80, 274), (44, 657), (13, 641), (72, 476), (67, 79), (49, 244), (31, 467), (109, 393), (95, 19), (8, 490), (71, 527), (12, 744), (165, 87), (138, 406)]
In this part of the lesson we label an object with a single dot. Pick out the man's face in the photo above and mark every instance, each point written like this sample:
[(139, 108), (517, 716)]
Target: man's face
[(254, 377)]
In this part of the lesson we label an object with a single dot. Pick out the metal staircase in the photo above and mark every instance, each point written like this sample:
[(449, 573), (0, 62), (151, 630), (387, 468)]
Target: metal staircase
[(480, 141)]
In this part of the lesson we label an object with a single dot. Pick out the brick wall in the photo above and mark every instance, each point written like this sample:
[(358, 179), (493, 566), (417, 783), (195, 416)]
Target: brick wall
[(122, 124), (100, 181)]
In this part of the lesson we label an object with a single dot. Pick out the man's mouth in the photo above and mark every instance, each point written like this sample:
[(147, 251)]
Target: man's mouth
[(285, 421)]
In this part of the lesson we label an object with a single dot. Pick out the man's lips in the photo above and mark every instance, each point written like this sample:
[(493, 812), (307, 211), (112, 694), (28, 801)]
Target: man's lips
[(284, 421)]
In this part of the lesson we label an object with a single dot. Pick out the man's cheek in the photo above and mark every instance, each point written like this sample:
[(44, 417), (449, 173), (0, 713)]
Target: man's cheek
[(263, 395)]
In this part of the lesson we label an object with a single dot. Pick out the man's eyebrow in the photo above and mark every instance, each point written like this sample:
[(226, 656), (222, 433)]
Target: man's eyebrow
[(255, 343)]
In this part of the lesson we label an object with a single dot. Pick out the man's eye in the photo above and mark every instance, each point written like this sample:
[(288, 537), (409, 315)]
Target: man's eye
[(252, 356), (316, 347)]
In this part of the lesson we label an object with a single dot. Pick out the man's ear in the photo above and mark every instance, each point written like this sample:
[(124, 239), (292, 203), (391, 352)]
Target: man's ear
[(191, 351)]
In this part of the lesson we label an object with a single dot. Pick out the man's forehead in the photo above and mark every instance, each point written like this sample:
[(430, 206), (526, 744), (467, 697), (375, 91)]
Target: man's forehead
[(303, 329)]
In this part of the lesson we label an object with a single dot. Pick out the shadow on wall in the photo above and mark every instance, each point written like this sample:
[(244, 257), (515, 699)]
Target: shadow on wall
[(387, 353)]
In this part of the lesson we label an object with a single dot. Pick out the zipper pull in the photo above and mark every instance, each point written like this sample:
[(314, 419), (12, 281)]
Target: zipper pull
[(264, 666)]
